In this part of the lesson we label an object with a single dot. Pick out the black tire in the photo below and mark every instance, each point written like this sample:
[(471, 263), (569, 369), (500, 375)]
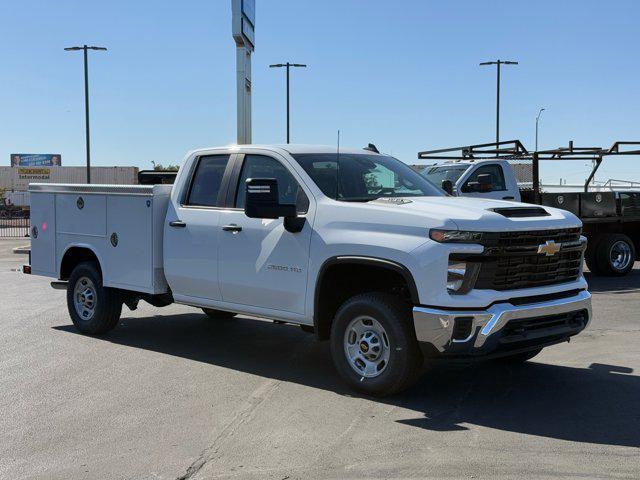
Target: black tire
[(590, 256), (404, 356), (519, 357), (218, 314), (604, 251), (107, 305)]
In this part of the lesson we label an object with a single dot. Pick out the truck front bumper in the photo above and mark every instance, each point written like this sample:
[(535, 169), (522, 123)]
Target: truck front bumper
[(503, 328)]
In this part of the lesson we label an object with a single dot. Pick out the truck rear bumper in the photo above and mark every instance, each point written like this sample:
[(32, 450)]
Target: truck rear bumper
[(503, 327)]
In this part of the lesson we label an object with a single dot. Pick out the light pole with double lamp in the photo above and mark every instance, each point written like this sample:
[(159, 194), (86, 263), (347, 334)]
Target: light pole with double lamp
[(287, 66), (86, 101), (497, 63)]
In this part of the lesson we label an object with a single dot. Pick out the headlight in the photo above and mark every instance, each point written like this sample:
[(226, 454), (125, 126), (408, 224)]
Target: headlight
[(457, 236), (455, 275)]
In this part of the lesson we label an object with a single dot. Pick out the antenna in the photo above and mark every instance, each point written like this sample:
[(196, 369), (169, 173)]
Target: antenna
[(338, 165)]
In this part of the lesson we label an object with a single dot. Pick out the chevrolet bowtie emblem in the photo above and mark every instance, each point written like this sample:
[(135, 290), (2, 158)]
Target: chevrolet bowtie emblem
[(549, 248)]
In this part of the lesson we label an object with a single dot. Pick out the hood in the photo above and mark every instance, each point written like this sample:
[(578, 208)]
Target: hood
[(477, 214)]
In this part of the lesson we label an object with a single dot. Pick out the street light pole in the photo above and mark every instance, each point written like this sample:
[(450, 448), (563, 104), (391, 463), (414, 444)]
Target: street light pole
[(537, 119), (84, 48), (498, 63), (288, 66)]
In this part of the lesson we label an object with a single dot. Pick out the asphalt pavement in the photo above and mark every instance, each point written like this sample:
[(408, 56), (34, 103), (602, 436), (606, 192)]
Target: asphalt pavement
[(172, 394)]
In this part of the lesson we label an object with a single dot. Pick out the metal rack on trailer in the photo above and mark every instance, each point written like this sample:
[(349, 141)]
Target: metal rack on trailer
[(611, 218)]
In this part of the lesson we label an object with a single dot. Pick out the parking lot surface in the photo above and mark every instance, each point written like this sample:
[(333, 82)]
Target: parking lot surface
[(172, 394)]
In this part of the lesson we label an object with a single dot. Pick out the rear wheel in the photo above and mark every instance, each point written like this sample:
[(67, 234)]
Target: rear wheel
[(373, 344), (614, 255), (94, 309), (218, 314), (590, 256)]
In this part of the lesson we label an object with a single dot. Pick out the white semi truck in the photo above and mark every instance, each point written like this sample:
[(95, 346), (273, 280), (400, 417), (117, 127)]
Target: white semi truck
[(353, 245)]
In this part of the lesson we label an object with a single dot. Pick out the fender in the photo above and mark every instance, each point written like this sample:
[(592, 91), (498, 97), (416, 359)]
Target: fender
[(361, 260), (85, 246)]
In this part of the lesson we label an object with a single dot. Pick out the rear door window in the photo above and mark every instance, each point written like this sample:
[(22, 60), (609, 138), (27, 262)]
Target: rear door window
[(206, 184)]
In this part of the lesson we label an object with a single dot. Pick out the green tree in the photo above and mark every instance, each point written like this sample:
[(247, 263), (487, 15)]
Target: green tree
[(168, 168)]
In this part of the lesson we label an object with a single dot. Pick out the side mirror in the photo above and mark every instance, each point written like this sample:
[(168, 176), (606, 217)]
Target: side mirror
[(447, 186), (262, 200)]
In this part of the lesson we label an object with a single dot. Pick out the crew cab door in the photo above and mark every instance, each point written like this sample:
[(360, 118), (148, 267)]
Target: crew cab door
[(261, 263), (489, 180), (191, 230)]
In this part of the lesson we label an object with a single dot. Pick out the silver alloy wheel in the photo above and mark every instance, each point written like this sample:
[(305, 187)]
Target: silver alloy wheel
[(620, 255), (366, 346), (85, 298)]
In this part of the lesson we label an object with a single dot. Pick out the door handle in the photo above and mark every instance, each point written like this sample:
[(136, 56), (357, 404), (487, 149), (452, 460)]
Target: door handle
[(232, 228), (508, 198), (177, 224)]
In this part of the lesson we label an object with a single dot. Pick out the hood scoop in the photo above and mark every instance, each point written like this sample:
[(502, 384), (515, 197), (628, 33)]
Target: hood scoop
[(521, 212)]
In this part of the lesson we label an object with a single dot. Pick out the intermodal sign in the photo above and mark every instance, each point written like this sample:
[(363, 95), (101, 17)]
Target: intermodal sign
[(36, 160), (34, 173)]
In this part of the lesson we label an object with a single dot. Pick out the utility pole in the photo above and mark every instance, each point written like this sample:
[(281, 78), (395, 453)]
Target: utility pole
[(84, 48), (537, 119), (497, 63), (288, 66)]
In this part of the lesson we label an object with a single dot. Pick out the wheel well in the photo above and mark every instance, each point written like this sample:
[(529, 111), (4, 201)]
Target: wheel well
[(594, 232), (73, 257), (342, 278)]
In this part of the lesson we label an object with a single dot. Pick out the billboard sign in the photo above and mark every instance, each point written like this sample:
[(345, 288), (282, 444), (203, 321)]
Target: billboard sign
[(243, 22), (36, 159), (249, 10)]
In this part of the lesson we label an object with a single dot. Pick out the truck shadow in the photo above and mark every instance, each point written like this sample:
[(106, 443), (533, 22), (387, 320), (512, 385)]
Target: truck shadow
[(627, 284), (598, 404)]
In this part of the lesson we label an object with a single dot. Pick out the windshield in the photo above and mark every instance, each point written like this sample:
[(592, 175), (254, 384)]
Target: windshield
[(444, 172), (363, 177)]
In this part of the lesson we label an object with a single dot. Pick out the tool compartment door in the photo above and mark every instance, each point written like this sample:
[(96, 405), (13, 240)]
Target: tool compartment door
[(129, 243), (43, 234)]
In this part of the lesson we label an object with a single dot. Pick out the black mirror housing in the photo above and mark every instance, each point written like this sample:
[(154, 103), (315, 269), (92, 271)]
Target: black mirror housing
[(447, 186), (262, 200)]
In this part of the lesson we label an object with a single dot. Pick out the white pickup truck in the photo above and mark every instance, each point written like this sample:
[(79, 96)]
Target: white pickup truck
[(353, 245), (611, 219)]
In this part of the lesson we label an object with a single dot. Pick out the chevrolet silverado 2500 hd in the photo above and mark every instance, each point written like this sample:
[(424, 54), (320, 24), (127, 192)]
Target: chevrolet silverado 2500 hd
[(352, 244)]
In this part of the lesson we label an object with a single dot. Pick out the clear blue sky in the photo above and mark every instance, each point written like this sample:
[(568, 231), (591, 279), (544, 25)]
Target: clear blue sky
[(401, 74)]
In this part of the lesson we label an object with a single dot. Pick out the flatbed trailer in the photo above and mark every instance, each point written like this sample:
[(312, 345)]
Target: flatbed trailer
[(611, 219)]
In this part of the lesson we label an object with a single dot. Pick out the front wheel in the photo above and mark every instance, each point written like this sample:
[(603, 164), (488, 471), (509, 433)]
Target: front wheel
[(94, 309), (373, 344)]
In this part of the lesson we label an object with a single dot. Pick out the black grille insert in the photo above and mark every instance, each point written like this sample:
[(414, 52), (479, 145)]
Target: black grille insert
[(527, 329), (462, 328), (511, 259)]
